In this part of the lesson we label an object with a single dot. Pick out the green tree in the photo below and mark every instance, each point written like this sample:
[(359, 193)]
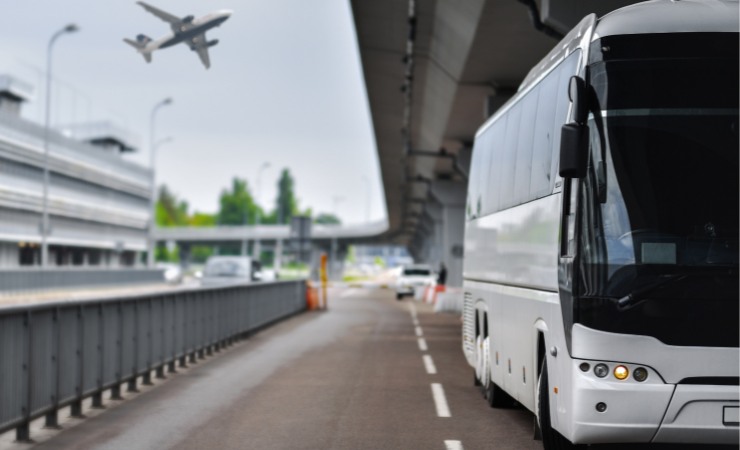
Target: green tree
[(170, 212), (237, 205), (327, 219), (286, 206), (199, 219)]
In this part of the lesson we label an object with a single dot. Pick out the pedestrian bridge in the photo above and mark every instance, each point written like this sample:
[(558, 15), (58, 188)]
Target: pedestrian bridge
[(237, 234)]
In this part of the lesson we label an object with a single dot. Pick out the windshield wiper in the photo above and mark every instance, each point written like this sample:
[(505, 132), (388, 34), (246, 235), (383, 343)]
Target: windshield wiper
[(637, 296)]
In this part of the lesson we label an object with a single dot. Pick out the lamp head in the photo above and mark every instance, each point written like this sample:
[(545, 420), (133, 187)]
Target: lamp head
[(71, 28)]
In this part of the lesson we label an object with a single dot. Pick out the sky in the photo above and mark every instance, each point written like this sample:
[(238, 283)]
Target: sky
[(285, 88)]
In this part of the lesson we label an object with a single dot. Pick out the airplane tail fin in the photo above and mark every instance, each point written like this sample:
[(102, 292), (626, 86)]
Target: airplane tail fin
[(140, 44)]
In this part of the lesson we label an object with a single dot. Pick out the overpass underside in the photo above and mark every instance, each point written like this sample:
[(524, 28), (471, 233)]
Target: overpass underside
[(434, 71)]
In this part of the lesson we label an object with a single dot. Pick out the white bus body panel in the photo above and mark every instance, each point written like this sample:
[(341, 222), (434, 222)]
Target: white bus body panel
[(517, 246), (511, 278)]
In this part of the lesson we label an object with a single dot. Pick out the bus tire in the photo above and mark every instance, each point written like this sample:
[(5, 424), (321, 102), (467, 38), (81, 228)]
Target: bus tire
[(551, 439), (497, 397), (485, 374)]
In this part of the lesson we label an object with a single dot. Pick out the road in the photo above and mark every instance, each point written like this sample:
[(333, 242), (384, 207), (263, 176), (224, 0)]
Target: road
[(352, 377), (369, 373)]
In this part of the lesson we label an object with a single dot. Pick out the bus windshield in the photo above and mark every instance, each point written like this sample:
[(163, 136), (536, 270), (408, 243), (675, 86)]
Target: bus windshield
[(659, 207)]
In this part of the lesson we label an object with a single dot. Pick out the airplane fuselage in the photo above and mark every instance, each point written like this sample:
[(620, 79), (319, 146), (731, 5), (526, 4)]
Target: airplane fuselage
[(200, 26)]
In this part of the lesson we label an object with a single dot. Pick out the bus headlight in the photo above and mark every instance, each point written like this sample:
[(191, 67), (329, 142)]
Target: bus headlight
[(601, 370), (621, 372), (640, 374)]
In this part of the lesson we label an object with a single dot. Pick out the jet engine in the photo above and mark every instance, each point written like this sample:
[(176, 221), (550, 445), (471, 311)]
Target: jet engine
[(212, 43), (188, 19)]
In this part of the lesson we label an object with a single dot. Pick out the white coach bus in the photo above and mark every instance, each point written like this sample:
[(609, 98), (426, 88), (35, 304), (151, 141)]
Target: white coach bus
[(601, 246)]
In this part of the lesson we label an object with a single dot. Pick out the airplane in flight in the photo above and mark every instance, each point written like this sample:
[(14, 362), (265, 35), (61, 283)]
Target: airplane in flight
[(187, 29)]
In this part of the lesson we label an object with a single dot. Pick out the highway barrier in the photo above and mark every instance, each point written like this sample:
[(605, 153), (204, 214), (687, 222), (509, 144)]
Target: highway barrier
[(55, 355), (37, 279)]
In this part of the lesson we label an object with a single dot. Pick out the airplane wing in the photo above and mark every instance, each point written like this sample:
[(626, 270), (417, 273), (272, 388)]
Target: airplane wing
[(200, 45), (174, 21)]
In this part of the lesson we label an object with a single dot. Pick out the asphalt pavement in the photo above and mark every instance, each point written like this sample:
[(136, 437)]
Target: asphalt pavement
[(368, 373)]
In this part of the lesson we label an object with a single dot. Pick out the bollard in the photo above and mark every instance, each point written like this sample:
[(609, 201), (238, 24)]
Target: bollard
[(324, 275)]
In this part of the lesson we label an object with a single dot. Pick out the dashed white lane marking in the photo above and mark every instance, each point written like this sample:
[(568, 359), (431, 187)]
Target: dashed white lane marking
[(416, 322), (453, 445), (423, 344), (429, 365), (419, 332), (412, 310), (440, 401)]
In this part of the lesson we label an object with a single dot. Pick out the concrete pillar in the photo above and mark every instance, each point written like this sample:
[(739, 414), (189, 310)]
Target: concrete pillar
[(245, 247), (278, 258), (336, 260), (185, 255), (429, 233), (257, 249), (451, 197)]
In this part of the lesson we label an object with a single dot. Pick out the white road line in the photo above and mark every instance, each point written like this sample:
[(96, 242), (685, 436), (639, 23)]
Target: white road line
[(423, 344), (440, 401), (429, 365), (416, 322), (419, 332), (453, 445), (412, 309)]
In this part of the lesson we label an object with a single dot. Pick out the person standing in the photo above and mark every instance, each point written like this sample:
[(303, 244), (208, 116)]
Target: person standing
[(442, 277)]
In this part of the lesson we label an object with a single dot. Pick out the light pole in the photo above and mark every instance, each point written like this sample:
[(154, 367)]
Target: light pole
[(334, 243), (336, 200), (71, 28), (153, 194), (367, 203), (258, 215)]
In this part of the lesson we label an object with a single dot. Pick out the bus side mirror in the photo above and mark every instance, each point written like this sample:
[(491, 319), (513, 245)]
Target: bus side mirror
[(573, 150), (578, 96)]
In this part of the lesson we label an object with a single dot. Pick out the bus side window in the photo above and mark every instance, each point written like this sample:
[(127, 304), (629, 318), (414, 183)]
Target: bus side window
[(568, 238)]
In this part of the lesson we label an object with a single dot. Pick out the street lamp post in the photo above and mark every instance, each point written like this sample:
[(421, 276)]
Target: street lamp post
[(334, 243), (367, 202), (71, 28), (153, 194)]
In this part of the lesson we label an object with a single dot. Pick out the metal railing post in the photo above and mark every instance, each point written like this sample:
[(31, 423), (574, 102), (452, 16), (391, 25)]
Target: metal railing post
[(146, 379), (135, 338), (115, 391), (97, 397), (52, 417), (75, 409), (23, 431)]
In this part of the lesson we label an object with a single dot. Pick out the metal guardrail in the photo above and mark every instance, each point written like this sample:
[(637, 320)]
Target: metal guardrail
[(57, 354), (36, 280)]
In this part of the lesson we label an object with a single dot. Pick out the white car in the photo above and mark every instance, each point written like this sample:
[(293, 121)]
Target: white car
[(414, 276), (229, 269), (172, 273)]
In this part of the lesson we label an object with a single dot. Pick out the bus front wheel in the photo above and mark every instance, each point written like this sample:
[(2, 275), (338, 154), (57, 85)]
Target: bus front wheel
[(551, 439)]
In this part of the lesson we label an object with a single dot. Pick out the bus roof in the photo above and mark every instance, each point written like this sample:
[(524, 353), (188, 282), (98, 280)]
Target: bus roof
[(671, 16), (655, 16)]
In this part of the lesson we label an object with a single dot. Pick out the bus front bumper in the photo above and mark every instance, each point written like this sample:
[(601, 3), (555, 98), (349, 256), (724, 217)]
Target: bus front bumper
[(611, 411), (701, 414)]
